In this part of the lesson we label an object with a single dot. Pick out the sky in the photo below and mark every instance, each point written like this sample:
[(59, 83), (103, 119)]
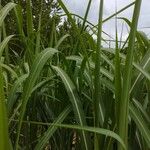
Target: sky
[(79, 7)]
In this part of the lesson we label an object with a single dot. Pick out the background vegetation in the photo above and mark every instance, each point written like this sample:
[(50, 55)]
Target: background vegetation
[(61, 89)]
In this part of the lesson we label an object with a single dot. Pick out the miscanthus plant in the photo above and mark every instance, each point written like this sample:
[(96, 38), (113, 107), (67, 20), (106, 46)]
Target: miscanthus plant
[(61, 89)]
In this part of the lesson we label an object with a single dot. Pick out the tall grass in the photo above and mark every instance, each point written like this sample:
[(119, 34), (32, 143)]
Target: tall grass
[(124, 103), (4, 142), (61, 89), (98, 110)]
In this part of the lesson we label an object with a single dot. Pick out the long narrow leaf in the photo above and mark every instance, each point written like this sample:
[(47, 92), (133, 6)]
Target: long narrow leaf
[(4, 44), (124, 104), (4, 142), (4, 11), (37, 66), (142, 126), (50, 131), (74, 98)]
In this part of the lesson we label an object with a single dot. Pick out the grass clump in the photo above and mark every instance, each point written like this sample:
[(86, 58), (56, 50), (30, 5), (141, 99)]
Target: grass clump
[(61, 89)]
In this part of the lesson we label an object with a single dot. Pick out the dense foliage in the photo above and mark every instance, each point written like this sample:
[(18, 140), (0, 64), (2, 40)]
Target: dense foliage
[(61, 89)]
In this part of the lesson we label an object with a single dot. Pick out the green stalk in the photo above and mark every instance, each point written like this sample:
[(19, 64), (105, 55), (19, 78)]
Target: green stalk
[(117, 76), (38, 38), (86, 15), (6, 49), (124, 105), (30, 30), (0, 26), (97, 84), (29, 18), (118, 12), (4, 141), (19, 19)]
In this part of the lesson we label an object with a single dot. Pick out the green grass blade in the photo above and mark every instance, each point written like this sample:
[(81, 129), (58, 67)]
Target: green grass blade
[(38, 38), (108, 61), (4, 44), (76, 103), (145, 63), (117, 78), (142, 126), (9, 69), (102, 131), (41, 84), (61, 40), (142, 71), (124, 104), (37, 66), (7, 58), (11, 96), (30, 46), (95, 130), (4, 142), (118, 12), (86, 15), (51, 130), (143, 111), (103, 71), (29, 18), (97, 84), (19, 19), (4, 11)]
